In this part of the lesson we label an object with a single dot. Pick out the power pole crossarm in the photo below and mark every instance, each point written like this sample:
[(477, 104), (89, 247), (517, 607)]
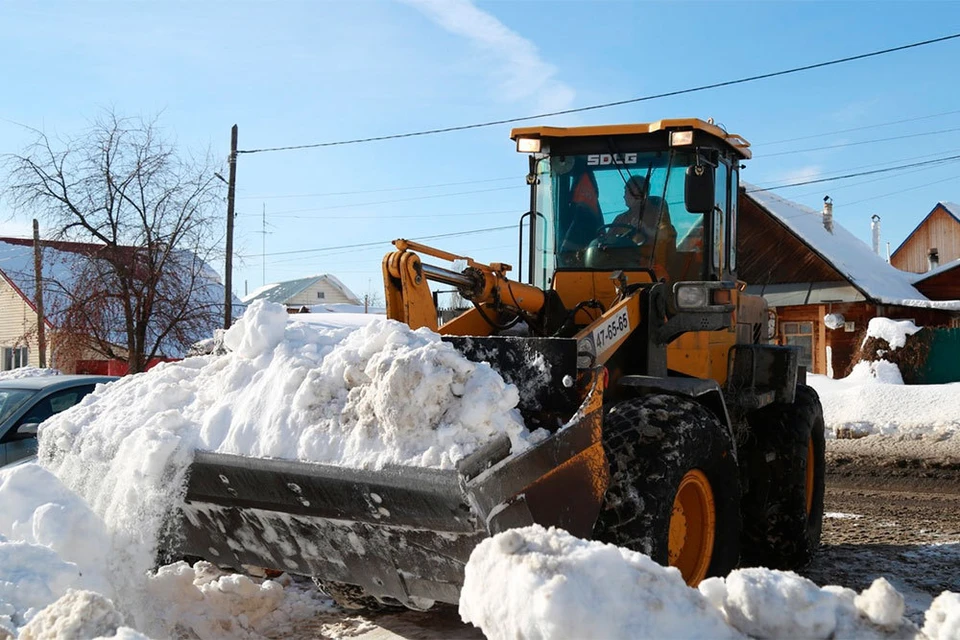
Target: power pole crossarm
[(228, 267)]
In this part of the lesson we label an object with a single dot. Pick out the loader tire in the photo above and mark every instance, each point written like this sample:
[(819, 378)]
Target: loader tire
[(674, 491), (783, 467)]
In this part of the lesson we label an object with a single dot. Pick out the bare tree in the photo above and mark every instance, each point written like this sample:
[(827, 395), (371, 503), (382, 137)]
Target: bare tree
[(141, 287)]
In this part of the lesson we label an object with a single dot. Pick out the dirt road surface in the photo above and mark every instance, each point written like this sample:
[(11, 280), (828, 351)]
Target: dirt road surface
[(896, 516)]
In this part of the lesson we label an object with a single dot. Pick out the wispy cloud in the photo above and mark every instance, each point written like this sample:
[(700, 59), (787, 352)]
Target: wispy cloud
[(522, 72), (801, 174)]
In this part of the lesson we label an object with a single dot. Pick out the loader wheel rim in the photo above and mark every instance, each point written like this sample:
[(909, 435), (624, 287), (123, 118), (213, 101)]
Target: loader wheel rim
[(693, 525), (808, 486)]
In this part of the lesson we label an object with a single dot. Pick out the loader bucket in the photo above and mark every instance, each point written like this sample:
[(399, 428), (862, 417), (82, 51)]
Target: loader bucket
[(402, 534)]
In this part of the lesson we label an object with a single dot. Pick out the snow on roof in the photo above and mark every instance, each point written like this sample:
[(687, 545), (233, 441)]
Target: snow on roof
[(280, 292), (849, 255), (256, 293)]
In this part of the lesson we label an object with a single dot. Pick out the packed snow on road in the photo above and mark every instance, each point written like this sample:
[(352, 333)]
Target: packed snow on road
[(81, 528)]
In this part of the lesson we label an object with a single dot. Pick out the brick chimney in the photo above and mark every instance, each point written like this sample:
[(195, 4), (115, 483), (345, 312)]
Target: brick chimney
[(828, 213)]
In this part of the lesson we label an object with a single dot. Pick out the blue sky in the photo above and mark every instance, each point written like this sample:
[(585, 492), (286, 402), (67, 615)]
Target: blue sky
[(293, 73)]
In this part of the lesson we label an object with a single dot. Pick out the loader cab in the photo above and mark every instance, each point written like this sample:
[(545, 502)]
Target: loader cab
[(681, 227)]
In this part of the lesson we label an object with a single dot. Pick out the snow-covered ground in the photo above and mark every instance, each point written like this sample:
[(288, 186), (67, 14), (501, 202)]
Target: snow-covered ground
[(79, 531), (873, 400)]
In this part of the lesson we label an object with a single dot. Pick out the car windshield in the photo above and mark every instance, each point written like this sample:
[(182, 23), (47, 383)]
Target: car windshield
[(13, 399)]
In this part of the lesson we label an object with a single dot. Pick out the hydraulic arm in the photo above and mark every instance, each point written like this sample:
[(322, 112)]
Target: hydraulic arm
[(409, 299)]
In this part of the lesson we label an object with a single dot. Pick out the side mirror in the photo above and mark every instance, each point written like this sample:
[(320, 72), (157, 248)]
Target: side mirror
[(698, 193), (25, 431), (28, 430)]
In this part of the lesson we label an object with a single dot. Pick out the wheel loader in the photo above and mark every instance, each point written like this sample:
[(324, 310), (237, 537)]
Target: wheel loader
[(675, 428)]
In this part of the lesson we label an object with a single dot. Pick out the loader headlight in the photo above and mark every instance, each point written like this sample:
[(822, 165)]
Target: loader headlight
[(528, 145), (681, 138), (691, 296)]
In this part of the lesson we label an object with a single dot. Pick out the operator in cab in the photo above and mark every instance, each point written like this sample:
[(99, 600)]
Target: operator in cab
[(646, 223), (646, 217)]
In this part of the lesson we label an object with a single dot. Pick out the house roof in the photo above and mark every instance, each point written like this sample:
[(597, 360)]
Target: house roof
[(950, 207), (850, 256), (920, 277), (60, 266), (281, 292)]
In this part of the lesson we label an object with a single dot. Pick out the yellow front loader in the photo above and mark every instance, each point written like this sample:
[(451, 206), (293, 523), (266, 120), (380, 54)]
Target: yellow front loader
[(675, 429)]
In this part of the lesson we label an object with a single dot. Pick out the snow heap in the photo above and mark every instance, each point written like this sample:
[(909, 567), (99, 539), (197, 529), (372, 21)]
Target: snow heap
[(27, 372), (538, 583), (115, 463), (544, 583), (63, 574)]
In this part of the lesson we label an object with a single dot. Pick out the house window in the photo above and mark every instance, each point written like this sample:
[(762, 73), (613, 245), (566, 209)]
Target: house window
[(14, 357), (321, 295), (800, 334)]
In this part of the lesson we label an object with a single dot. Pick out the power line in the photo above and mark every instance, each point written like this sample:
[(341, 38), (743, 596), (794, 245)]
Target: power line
[(868, 126), (288, 213), (430, 197), (606, 105), (855, 175), (365, 191), (861, 142), (505, 227), (403, 217), (859, 183), (899, 191), (375, 265), (520, 178), (372, 244)]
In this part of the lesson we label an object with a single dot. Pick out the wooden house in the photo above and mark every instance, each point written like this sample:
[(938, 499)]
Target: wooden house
[(935, 241), (824, 283)]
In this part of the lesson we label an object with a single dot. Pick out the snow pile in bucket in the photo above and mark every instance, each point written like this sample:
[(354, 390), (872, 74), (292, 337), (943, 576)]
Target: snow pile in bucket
[(545, 583), (376, 395)]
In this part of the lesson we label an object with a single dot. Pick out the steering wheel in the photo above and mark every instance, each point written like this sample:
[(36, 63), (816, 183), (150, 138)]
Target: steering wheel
[(630, 232)]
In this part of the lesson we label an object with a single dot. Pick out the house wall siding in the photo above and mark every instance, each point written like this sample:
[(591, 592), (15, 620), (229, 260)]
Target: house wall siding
[(331, 295), (939, 230), (18, 323)]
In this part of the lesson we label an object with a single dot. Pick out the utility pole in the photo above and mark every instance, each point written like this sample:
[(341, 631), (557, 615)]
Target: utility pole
[(38, 296), (231, 191)]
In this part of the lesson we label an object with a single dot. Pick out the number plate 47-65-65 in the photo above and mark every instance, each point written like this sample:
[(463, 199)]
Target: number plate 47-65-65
[(612, 329)]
